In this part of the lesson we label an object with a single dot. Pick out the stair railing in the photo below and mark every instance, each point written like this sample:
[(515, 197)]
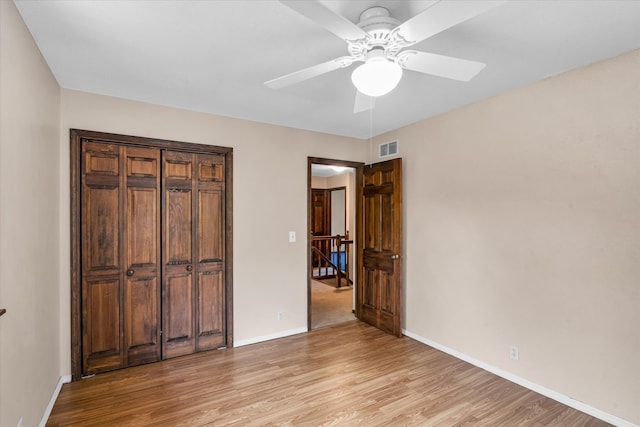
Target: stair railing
[(331, 257)]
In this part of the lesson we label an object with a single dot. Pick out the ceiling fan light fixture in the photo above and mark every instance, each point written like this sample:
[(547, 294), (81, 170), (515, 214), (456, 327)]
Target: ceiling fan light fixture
[(377, 76)]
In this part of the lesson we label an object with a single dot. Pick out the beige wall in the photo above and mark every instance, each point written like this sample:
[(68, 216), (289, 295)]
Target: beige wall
[(319, 182), (522, 226), (29, 289), (346, 180)]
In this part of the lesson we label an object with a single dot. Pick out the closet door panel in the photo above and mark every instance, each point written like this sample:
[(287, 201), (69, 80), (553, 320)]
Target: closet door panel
[(210, 310), (178, 319), (178, 242), (142, 228), (141, 317), (142, 237), (101, 264), (101, 328), (178, 228), (102, 229), (210, 252)]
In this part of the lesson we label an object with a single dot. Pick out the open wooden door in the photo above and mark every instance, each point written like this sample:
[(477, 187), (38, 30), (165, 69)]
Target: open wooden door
[(379, 234)]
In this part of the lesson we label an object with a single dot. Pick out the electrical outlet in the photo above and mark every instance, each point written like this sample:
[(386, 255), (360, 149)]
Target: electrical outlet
[(514, 353), (280, 315)]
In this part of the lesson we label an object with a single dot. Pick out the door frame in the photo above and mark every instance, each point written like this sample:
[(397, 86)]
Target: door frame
[(76, 137), (333, 162)]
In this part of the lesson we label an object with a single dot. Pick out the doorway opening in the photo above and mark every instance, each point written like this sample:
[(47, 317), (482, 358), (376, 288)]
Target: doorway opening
[(331, 244)]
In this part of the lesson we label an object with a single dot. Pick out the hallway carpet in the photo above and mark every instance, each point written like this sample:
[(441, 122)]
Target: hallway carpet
[(329, 305)]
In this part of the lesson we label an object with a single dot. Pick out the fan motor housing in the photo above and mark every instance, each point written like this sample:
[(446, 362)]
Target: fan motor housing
[(378, 23)]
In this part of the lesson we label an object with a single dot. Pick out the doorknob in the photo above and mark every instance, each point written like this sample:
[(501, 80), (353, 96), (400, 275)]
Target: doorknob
[(189, 268), (395, 256), (130, 272)]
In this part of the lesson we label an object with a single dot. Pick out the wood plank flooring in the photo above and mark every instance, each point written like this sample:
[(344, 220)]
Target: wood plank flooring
[(349, 374)]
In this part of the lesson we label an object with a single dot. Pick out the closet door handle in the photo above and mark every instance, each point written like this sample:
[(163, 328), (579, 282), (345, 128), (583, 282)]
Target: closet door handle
[(189, 268), (130, 272)]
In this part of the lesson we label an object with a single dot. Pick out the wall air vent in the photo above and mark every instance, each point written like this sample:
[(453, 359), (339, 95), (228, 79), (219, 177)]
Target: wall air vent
[(388, 149)]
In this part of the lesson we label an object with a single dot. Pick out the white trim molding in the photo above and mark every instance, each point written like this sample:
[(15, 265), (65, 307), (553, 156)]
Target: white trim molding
[(269, 337), (62, 380), (559, 397)]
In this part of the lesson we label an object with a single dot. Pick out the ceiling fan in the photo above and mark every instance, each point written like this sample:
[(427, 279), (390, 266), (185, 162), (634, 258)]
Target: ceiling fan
[(378, 40)]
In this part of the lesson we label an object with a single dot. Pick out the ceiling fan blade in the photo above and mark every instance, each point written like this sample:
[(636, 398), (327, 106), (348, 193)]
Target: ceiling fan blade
[(440, 65), (321, 15), (441, 16), (307, 73), (363, 102)]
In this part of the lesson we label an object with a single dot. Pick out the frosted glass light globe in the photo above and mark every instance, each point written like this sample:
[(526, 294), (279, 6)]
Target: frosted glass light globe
[(377, 76)]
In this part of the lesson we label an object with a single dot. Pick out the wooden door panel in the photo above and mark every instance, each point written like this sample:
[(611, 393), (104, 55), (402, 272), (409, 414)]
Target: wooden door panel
[(105, 162), (178, 287), (179, 166), (101, 326), (142, 309), (142, 162), (372, 230), (101, 216), (142, 227), (211, 169), (320, 225), (178, 338), (103, 303), (386, 223), (179, 322), (142, 277), (178, 227), (101, 264), (210, 232), (378, 294), (321, 212), (101, 243), (141, 320), (370, 292), (209, 266), (120, 217), (211, 310), (387, 303)]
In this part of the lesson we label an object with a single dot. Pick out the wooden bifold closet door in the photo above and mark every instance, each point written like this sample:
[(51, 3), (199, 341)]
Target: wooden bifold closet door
[(193, 293), (152, 254)]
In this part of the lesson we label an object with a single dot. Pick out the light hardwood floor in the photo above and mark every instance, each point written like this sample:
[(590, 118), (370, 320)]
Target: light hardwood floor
[(349, 374)]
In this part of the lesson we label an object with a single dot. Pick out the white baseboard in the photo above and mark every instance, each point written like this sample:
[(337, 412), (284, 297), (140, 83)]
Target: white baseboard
[(559, 397), (62, 380), (269, 337)]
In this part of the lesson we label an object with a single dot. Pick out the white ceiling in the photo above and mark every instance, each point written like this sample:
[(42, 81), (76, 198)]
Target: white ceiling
[(329, 170), (213, 56)]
